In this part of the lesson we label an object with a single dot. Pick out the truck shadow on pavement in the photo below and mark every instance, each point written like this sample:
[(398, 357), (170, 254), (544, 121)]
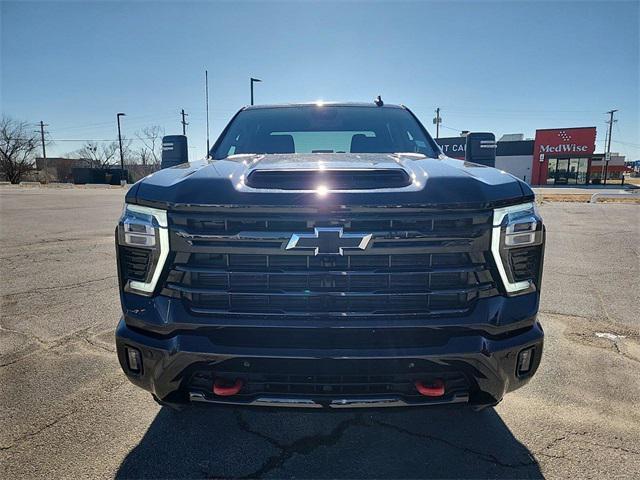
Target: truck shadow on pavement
[(230, 443)]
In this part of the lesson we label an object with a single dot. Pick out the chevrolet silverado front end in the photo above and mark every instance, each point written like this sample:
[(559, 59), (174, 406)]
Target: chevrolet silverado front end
[(329, 256)]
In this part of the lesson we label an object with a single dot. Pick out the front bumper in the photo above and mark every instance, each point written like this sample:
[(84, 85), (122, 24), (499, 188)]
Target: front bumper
[(479, 367)]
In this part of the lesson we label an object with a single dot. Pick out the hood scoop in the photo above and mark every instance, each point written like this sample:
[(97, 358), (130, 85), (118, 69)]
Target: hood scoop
[(338, 179)]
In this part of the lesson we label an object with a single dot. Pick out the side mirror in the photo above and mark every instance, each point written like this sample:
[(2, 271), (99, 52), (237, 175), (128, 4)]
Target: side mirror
[(174, 151), (481, 148)]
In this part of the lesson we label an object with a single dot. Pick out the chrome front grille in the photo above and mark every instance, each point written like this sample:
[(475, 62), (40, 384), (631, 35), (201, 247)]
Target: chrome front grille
[(418, 262)]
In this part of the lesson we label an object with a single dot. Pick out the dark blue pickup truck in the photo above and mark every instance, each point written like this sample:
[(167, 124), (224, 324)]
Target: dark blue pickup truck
[(330, 256)]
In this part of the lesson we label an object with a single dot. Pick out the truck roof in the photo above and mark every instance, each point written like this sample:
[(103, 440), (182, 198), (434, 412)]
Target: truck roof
[(323, 103)]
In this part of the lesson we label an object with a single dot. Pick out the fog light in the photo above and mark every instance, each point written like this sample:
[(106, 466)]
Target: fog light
[(134, 359), (525, 360)]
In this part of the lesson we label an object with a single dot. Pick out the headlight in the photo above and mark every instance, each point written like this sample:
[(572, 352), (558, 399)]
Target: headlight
[(143, 246), (517, 245)]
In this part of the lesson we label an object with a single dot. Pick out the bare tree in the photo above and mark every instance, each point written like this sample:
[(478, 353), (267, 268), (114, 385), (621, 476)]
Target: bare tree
[(151, 149), (101, 155), (145, 156), (18, 145)]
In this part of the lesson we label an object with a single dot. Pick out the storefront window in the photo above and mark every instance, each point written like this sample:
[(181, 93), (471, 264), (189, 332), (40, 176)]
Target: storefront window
[(551, 171), (571, 171), (583, 166), (572, 174), (562, 171)]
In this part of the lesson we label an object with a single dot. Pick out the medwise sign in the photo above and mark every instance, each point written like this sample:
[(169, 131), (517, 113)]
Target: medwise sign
[(560, 143), (569, 141)]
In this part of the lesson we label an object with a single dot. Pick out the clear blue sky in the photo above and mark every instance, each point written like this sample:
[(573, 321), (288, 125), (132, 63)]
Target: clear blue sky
[(506, 67)]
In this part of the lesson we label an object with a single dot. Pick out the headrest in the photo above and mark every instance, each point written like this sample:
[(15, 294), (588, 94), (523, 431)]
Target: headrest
[(275, 144), (360, 143)]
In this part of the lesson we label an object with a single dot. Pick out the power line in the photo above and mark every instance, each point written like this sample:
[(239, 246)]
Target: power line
[(631, 144), (133, 119), (85, 140), (53, 140), (451, 128), (224, 111), (451, 108), (627, 143)]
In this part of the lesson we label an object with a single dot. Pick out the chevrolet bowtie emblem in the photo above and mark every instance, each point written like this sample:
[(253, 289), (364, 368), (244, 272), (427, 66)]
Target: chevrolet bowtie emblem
[(329, 241)]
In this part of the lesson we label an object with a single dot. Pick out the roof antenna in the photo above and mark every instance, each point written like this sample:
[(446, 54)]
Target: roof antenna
[(206, 101), (378, 101)]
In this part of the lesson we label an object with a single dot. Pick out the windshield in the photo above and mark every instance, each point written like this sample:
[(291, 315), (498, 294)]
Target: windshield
[(324, 129)]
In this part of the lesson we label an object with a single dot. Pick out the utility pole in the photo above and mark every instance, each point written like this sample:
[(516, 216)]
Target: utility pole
[(184, 123), (606, 135), (122, 181), (252, 81), (44, 150), (437, 121), (607, 155)]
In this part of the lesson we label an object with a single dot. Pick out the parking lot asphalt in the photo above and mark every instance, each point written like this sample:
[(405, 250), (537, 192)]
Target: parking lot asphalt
[(66, 409)]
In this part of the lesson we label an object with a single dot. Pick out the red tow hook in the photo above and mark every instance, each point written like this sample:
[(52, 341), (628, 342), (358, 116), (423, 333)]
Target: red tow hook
[(221, 388), (435, 389)]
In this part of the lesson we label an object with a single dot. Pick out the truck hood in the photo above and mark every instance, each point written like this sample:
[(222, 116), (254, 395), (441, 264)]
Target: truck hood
[(443, 182)]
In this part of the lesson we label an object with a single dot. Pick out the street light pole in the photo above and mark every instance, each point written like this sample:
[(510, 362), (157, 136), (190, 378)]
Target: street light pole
[(120, 143), (251, 82)]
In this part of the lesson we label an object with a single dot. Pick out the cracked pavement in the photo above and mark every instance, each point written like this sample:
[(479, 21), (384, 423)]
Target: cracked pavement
[(67, 411)]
